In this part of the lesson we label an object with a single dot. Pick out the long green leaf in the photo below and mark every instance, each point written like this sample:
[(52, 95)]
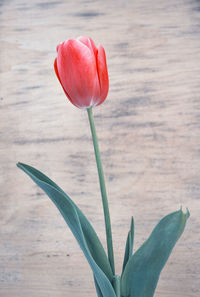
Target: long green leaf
[(99, 294), (80, 227), (142, 271), (129, 244)]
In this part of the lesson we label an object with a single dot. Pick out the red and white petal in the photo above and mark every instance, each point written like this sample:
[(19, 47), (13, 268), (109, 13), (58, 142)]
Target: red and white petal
[(102, 74), (89, 43), (57, 74)]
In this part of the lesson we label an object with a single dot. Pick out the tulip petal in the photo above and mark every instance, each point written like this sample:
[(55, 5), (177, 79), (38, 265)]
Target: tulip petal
[(89, 43), (102, 74), (57, 74), (76, 65)]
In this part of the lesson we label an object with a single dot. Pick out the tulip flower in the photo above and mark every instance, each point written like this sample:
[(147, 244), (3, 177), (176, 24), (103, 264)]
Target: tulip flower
[(82, 71)]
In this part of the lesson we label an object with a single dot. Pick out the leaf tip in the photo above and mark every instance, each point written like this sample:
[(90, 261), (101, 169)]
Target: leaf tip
[(185, 212), (22, 165), (132, 227), (19, 164)]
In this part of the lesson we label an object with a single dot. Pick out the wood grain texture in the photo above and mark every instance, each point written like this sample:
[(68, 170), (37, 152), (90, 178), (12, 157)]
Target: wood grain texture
[(148, 132)]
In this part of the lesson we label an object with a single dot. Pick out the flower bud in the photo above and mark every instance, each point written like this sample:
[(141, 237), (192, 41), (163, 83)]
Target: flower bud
[(82, 71)]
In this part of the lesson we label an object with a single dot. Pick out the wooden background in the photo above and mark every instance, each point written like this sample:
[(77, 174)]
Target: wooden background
[(148, 132)]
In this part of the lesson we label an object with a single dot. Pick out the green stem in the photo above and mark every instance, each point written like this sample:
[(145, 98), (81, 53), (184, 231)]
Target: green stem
[(116, 285), (103, 191)]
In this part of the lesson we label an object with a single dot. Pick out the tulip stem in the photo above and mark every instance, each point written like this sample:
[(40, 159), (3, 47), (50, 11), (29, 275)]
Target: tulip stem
[(103, 191), (116, 285)]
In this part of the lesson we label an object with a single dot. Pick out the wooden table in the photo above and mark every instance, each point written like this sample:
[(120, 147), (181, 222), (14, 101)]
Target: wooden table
[(148, 132)]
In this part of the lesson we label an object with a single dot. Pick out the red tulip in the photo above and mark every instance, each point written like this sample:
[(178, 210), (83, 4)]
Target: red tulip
[(82, 71)]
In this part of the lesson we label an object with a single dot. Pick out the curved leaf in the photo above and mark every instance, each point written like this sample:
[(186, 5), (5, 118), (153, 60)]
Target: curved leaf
[(99, 294), (80, 227), (142, 271), (129, 244)]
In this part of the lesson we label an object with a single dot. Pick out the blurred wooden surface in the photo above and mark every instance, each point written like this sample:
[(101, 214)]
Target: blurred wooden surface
[(148, 131)]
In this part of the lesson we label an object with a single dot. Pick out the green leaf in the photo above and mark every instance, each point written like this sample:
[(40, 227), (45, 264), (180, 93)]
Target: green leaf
[(142, 271), (80, 227), (97, 288), (129, 244)]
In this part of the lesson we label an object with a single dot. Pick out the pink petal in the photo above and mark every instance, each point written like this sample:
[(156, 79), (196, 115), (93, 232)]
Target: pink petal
[(102, 74), (89, 43), (57, 74)]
